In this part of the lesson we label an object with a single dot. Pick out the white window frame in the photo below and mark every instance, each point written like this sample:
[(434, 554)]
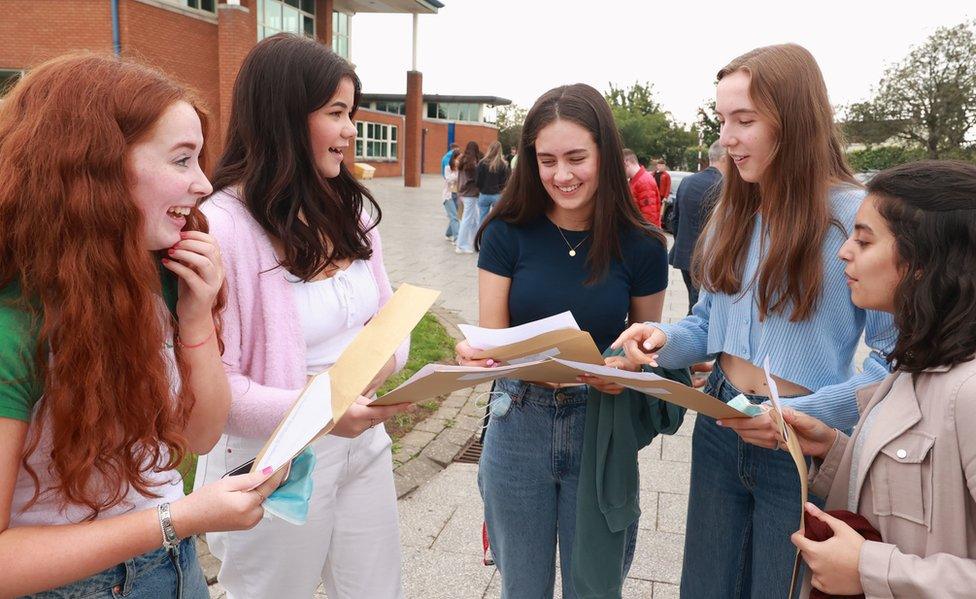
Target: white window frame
[(377, 142), (15, 74), (338, 36), (268, 28)]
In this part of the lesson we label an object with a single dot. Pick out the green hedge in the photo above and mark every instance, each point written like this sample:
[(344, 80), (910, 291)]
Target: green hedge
[(882, 157)]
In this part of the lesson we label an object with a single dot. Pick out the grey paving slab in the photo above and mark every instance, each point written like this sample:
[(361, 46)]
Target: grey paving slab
[(658, 557), (672, 512), (432, 574)]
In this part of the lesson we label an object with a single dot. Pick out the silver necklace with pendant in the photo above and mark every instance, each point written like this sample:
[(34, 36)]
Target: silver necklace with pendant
[(572, 248)]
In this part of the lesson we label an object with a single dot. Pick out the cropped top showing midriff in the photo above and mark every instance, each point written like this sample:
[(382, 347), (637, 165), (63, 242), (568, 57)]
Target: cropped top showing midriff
[(751, 379)]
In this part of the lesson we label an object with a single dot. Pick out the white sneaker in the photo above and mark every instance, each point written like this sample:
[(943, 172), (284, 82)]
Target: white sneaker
[(460, 251)]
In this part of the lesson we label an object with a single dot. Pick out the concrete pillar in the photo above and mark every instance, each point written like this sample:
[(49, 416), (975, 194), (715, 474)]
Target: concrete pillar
[(413, 137), (237, 33)]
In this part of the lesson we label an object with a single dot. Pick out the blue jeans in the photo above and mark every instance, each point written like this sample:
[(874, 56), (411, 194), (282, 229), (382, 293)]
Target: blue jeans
[(528, 475), (469, 224), (450, 206), (159, 574), (486, 202), (743, 505)]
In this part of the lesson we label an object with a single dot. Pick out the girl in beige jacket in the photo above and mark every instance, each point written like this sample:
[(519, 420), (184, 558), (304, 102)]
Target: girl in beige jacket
[(909, 467)]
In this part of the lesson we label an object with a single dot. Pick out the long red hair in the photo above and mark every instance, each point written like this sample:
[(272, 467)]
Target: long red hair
[(72, 237)]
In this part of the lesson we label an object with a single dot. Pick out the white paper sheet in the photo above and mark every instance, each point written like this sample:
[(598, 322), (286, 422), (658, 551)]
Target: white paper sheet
[(313, 411), (482, 338), (549, 353), (643, 377), (774, 395)]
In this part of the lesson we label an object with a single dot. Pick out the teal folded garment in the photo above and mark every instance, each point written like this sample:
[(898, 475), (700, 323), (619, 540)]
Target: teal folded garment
[(290, 501), (608, 495)]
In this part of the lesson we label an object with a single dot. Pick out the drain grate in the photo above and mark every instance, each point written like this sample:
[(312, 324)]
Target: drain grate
[(470, 453)]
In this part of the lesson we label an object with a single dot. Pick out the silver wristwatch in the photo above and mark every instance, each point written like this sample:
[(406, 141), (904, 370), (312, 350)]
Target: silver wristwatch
[(170, 539)]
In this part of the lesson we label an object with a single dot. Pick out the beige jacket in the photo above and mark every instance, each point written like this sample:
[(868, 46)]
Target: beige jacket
[(919, 488)]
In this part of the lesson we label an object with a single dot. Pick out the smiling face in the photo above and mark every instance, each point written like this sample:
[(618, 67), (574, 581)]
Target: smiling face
[(165, 173), (569, 164), (331, 130), (873, 272), (748, 136)]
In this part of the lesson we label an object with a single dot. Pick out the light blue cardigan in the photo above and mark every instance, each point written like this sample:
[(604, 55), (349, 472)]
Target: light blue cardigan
[(816, 353)]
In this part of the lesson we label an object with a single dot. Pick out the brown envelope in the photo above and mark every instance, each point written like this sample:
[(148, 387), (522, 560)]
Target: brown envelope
[(572, 344), (369, 352)]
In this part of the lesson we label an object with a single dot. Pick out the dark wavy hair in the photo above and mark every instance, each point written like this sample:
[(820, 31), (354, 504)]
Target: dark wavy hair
[(930, 208), (524, 198), (269, 156)]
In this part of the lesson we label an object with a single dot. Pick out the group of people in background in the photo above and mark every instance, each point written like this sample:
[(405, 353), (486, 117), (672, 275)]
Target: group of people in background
[(146, 313)]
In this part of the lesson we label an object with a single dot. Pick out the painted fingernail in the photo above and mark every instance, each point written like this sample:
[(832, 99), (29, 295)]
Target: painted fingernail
[(171, 251), (719, 422), (165, 261), (184, 234), (267, 470), (491, 362)]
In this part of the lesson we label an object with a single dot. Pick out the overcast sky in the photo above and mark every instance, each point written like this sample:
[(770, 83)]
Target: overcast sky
[(518, 49)]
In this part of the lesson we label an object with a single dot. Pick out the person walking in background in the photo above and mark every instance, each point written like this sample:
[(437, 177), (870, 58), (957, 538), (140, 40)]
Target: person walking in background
[(449, 196), (565, 236), (663, 178), (446, 158), (468, 192), (908, 471), (305, 274), (492, 174), (110, 341), (643, 188), (771, 288), (693, 203)]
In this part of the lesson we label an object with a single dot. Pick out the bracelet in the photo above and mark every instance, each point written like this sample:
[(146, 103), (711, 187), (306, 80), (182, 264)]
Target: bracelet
[(170, 538), (195, 345)]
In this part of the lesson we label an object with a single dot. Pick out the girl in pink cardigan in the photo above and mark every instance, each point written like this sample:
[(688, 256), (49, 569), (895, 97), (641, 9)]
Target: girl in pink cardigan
[(304, 274)]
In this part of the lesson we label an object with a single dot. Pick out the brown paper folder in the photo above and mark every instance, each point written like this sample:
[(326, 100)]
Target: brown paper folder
[(369, 352), (572, 344)]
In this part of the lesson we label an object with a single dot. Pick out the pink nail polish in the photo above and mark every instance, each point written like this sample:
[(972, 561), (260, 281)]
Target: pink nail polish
[(491, 362), (267, 470)]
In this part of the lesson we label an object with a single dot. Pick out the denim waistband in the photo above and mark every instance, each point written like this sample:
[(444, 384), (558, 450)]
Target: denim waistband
[(719, 386), (122, 576), (524, 392)]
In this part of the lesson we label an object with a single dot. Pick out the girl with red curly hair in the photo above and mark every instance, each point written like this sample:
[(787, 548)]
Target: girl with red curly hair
[(110, 365)]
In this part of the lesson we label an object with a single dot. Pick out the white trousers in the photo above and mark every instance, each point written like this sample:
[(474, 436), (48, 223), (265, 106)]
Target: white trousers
[(351, 541)]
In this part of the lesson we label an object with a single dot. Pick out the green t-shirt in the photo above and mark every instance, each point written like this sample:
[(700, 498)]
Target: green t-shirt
[(19, 387)]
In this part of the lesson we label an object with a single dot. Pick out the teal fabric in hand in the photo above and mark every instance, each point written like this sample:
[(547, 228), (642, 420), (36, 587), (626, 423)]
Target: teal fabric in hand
[(290, 500), (608, 496)]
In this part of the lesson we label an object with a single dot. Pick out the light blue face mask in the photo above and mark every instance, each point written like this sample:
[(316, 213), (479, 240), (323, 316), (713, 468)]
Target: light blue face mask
[(741, 402), (290, 501)]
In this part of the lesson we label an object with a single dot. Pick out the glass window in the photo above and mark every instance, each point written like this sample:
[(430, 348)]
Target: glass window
[(379, 143), (207, 5), (289, 16), (340, 33)]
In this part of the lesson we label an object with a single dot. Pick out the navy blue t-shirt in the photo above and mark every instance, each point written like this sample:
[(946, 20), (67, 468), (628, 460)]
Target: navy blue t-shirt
[(546, 280)]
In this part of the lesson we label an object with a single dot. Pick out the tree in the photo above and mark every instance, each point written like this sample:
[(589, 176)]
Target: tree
[(647, 129), (708, 124), (509, 121), (928, 99)]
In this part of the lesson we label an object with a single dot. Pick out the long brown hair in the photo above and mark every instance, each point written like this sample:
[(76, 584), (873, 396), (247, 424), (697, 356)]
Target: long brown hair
[(73, 241), (525, 199), (494, 159), (788, 89), (930, 208), (283, 80)]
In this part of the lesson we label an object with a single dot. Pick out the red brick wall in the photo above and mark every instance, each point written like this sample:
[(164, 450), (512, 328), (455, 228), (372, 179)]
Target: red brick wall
[(436, 143), (182, 46), (237, 34), (32, 32)]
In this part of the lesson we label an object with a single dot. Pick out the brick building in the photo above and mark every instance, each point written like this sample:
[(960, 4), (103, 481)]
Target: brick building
[(203, 42)]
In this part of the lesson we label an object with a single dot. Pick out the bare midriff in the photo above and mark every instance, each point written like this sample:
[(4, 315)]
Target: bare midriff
[(751, 379)]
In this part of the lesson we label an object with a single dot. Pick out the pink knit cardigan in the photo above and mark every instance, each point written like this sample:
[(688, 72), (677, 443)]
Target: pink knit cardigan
[(264, 348)]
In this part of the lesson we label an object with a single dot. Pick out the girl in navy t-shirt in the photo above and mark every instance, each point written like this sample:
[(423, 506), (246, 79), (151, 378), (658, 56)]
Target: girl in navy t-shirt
[(564, 236)]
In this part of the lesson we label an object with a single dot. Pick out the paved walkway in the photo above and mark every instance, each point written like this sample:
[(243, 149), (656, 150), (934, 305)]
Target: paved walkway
[(441, 520)]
